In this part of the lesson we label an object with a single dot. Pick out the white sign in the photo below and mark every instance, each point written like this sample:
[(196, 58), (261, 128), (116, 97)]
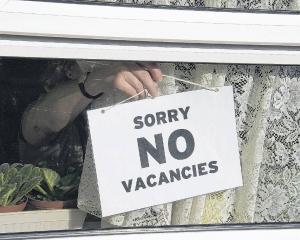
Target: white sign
[(160, 150)]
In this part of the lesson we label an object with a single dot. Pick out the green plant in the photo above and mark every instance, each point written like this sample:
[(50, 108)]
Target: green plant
[(53, 187), (16, 181)]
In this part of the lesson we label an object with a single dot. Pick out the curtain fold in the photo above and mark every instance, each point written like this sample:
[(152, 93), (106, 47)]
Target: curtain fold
[(267, 106)]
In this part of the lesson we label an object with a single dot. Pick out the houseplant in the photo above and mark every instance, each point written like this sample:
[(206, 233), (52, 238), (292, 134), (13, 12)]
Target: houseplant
[(54, 191), (16, 181)]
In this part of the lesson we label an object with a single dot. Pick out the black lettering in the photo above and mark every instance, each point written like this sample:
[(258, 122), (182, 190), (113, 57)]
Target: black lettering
[(161, 117), (163, 178), (213, 166), (189, 140), (139, 184), (158, 152), (201, 169), (127, 186), (184, 111), (172, 115), (174, 175), (183, 172), (149, 120), (149, 183), (138, 123), (194, 170)]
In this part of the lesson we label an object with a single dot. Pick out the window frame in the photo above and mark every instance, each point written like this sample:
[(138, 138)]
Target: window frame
[(192, 232), (72, 32), (22, 34)]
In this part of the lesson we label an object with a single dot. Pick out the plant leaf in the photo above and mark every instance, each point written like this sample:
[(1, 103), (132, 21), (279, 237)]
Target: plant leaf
[(5, 193), (4, 167), (26, 188), (18, 166), (50, 177), (1, 179), (17, 180), (25, 172), (10, 175), (39, 189), (69, 179)]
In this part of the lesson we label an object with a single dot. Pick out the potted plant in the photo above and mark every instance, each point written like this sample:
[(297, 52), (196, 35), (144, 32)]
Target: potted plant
[(16, 181), (54, 191)]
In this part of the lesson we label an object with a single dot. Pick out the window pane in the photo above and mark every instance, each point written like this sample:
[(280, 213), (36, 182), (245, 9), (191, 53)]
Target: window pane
[(43, 123)]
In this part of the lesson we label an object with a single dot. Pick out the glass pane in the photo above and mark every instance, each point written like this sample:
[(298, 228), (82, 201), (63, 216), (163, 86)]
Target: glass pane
[(233, 5), (43, 123)]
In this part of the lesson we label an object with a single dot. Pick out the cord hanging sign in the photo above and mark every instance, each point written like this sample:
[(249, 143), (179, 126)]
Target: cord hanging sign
[(161, 150)]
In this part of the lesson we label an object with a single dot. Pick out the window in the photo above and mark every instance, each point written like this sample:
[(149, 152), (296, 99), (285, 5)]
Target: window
[(27, 25), (256, 53)]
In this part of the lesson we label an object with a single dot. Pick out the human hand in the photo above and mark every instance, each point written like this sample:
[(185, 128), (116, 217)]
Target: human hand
[(130, 78), (133, 78)]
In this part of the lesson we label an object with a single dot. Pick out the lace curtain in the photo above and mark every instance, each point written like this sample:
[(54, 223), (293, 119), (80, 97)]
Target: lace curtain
[(267, 106), (291, 5)]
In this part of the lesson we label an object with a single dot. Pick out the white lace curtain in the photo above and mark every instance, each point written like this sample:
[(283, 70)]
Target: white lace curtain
[(292, 5), (267, 102)]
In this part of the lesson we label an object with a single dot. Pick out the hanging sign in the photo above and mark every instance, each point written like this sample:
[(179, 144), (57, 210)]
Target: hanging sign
[(161, 150)]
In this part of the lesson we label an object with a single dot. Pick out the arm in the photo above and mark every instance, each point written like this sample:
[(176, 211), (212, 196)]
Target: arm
[(65, 102)]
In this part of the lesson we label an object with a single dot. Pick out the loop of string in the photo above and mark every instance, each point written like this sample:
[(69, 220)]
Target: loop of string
[(193, 83), (148, 95), (125, 100)]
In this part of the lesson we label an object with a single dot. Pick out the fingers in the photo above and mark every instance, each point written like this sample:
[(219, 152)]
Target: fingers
[(124, 86), (133, 78), (146, 80), (134, 82), (153, 69)]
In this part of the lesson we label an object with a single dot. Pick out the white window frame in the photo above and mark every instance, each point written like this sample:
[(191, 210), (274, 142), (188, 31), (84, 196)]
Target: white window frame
[(59, 30), (49, 29)]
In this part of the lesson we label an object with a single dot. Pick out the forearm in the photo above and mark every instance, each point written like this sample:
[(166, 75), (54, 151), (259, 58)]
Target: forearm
[(55, 111), (63, 104)]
